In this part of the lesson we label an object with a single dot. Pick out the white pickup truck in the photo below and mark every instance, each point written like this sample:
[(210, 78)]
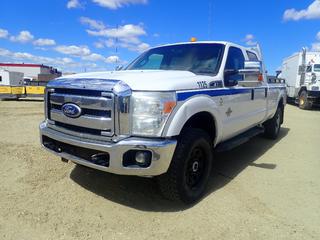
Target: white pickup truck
[(165, 114)]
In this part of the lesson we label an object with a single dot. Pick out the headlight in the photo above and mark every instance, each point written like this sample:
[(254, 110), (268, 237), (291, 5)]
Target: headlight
[(150, 111)]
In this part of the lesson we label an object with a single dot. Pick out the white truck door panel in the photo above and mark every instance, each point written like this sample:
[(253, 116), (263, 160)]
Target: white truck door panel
[(236, 106), (259, 112), (273, 100), (234, 114)]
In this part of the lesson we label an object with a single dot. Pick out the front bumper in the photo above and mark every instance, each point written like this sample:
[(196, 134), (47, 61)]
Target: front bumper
[(314, 97), (162, 152)]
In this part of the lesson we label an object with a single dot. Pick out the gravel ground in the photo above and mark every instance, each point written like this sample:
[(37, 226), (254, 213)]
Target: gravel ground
[(261, 190)]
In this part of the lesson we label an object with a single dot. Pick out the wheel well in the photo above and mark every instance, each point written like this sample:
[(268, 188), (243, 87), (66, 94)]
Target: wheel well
[(302, 89), (204, 121)]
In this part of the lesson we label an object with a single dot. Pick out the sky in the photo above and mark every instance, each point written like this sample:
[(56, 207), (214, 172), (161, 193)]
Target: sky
[(97, 35)]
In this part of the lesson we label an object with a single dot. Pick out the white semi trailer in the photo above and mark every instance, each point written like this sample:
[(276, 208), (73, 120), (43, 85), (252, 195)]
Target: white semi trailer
[(301, 71)]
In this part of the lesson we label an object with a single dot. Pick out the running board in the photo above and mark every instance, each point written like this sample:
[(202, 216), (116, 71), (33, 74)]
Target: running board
[(238, 140)]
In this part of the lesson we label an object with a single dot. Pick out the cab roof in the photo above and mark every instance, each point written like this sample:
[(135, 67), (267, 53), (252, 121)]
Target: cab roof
[(208, 42)]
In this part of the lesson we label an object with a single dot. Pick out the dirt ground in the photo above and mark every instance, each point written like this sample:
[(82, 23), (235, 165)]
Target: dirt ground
[(261, 190)]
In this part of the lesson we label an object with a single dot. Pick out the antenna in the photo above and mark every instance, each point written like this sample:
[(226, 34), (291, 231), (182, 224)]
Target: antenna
[(117, 39), (210, 13), (116, 44)]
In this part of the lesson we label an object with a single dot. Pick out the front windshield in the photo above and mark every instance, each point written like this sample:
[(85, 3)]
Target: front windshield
[(197, 58), (316, 68)]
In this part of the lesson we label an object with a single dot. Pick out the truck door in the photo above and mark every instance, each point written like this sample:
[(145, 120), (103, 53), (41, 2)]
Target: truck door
[(235, 105), (259, 96)]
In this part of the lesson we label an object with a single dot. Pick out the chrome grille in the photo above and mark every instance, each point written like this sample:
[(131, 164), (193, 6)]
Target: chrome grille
[(97, 117)]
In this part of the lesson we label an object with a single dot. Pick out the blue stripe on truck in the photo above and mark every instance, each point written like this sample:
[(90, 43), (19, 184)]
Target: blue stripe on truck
[(181, 96), (212, 93)]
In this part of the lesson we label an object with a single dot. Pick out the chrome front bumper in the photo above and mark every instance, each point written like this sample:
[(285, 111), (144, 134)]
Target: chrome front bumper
[(162, 152)]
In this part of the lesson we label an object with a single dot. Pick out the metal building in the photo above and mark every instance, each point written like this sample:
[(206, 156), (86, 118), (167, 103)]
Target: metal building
[(35, 71)]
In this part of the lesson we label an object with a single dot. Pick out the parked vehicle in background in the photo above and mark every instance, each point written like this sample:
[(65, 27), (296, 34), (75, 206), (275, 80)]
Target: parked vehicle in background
[(14, 86), (11, 84), (301, 72), (164, 114), (27, 80)]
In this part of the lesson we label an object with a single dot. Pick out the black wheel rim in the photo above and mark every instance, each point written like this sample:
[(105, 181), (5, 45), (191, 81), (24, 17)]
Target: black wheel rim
[(195, 168)]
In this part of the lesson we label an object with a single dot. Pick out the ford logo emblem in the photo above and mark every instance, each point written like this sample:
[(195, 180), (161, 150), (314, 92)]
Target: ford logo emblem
[(71, 110)]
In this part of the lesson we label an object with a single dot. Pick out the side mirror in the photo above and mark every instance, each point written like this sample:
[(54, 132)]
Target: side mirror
[(230, 77), (119, 68)]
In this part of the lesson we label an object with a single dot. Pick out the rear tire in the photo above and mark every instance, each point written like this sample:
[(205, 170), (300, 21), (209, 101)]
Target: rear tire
[(190, 168), (272, 126), (304, 103)]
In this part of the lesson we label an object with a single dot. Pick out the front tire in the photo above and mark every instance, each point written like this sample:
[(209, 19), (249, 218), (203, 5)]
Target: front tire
[(190, 168), (304, 103)]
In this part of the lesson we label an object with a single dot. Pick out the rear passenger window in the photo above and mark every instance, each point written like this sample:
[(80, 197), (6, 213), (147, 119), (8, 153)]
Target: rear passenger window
[(252, 56)]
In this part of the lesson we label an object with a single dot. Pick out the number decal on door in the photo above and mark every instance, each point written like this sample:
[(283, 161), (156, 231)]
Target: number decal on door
[(202, 84)]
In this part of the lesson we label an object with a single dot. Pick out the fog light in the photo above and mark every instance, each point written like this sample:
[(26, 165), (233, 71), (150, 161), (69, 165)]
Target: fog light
[(141, 157), (135, 158)]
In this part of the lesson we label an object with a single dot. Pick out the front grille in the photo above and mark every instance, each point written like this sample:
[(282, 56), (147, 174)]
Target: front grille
[(82, 92), (97, 112), (86, 111)]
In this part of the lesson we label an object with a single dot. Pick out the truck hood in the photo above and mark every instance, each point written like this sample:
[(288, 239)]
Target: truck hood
[(143, 80)]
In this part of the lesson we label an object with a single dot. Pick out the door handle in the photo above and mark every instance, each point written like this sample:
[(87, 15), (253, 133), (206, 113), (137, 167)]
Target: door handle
[(252, 94)]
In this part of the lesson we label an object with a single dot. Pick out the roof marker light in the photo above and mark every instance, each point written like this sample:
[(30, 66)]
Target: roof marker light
[(193, 39)]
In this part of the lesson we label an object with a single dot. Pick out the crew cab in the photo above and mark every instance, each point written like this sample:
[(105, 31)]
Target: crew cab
[(165, 114)]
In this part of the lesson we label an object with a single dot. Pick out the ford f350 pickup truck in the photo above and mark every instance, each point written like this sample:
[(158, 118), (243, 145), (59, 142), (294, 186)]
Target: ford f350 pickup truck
[(165, 114)]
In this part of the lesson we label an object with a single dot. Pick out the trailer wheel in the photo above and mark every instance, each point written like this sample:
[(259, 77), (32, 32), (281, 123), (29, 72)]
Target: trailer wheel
[(304, 103), (190, 168)]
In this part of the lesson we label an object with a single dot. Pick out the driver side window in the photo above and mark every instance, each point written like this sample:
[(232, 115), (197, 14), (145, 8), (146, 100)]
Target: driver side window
[(235, 61)]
